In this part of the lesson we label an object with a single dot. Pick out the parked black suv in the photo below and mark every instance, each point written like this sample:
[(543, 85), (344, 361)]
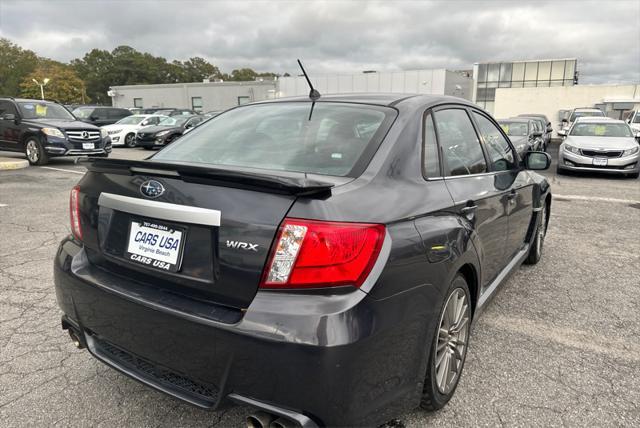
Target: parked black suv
[(101, 116), (43, 129)]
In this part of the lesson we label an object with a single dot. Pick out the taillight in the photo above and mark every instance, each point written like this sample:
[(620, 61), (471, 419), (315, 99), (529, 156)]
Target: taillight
[(318, 254), (74, 212)]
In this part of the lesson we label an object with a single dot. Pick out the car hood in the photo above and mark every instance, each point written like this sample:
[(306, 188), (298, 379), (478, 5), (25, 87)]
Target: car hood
[(606, 143), (62, 124), (157, 128), (518, 141)]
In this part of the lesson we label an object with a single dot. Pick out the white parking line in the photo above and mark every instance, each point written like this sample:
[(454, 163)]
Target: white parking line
[(63, 170), (3, 205), (595, 198)]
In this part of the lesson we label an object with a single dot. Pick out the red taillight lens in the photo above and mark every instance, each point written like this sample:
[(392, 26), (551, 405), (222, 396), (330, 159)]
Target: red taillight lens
[(74, 212), (318, 254)]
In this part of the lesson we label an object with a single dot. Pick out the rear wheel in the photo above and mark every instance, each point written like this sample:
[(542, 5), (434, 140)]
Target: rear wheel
[(35, 152), (535, 253), (449, 347), (130, 140)]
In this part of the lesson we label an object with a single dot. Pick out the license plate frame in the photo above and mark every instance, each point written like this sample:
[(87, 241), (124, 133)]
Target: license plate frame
[(88, 146), (600, 161), (149, 259)]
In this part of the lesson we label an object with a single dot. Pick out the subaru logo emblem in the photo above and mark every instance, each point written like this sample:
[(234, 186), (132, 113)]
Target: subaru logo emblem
[(85, 135), (152, 189)]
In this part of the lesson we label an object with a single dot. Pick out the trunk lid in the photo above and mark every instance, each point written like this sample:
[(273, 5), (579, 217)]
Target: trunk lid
[(213, 227)]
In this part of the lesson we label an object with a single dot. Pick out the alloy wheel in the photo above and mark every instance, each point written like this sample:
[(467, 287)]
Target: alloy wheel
[(451, 345), (32, 151)]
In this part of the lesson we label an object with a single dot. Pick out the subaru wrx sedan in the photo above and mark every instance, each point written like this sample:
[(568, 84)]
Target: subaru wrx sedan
[(318, 260), (600, 145)]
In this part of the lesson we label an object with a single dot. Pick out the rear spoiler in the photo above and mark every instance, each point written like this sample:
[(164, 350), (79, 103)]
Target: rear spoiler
[(290, 183)]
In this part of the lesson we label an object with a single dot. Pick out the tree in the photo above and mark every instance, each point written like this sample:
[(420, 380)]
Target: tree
[(95, 68), (196, 69), (243, 74), (15, 64), (64, 84)]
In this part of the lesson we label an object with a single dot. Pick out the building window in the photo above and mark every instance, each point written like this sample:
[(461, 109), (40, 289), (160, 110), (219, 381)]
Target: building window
[(137, 102), (196, 103), (243, 100)]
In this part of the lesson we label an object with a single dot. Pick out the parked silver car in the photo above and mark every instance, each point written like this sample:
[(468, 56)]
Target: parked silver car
[(602, 145)]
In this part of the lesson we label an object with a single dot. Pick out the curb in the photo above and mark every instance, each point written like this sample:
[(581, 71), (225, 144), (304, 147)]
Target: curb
[(7, 164)]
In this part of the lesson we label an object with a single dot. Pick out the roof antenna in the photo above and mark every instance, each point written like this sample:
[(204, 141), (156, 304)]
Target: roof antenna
[(313, 93)]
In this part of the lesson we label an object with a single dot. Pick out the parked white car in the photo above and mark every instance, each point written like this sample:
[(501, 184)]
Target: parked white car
[(577, 113), (600, 144), (634, 123), (123, 132)]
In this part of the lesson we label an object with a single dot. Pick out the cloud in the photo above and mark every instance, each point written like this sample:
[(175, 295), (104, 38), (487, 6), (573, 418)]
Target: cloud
[(339, 36)]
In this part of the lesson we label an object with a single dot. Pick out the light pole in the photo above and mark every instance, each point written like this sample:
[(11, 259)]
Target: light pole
[(42, 85)]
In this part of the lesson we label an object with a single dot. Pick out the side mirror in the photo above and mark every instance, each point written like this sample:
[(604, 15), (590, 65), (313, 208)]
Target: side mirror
[(564, 120), (537, 161), (549, 128), (145, 123), (9, 116), (536, 134)]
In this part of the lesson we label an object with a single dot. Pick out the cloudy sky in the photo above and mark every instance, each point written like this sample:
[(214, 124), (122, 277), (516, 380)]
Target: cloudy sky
[(333, 36)]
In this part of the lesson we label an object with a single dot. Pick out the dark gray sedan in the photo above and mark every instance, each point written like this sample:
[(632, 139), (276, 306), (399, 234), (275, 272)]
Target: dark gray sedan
[(319, 260)]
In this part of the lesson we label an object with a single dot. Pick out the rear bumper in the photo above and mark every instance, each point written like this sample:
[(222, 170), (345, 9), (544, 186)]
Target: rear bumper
[(344, 359)]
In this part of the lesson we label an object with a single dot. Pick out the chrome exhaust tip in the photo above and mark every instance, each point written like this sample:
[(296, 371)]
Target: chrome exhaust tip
[(260, 420), (283, 423), (75, 339)]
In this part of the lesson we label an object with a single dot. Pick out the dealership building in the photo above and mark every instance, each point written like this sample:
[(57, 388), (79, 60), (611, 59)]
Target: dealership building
[(505, 89)]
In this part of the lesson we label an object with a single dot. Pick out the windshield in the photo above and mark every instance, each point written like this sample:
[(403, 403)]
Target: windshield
[(337, 139), (515, 129), (637, 118), (601, 130), (173, 121), (44, 110), (83, 113), (577, 114), (131, 120)]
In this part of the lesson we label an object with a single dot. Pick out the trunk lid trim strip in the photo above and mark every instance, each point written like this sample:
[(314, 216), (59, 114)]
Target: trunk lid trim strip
[(160, 210)]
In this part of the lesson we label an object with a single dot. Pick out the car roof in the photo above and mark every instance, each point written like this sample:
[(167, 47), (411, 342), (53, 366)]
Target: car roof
[(381, 99), (515, 119), (22, 100), (531, 117), (536, 115), (599, 119), (587, 109)]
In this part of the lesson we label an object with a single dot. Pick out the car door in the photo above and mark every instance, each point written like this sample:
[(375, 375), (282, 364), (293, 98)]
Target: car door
[(100, 117), (512, 178), (478, 199), (9, 129)]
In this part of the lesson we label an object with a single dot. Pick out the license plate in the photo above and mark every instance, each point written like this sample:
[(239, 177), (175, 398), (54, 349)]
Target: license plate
[(87, 146), (600, 161), (155, 245)]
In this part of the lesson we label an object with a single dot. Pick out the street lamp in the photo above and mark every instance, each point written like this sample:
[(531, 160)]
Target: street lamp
[(42, 85)]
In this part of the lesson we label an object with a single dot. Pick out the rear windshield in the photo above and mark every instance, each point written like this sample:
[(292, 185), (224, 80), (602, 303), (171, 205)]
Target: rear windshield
[(601, 130), (339, 138)]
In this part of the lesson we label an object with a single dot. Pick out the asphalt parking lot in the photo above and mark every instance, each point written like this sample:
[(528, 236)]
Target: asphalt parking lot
[(559, 345)]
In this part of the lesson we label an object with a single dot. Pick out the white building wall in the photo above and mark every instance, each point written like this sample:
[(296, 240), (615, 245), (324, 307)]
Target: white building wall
[(437, 82), (550, 101), (215, 96)]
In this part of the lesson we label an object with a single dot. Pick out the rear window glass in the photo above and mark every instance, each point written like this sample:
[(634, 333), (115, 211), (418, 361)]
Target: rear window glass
[(601, 130), (339, 138)]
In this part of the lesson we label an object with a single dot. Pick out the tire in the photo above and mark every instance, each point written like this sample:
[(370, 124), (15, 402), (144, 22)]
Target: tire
[(535, 253), (147, 147), (130, 140), (439, 387), (35, 152), (560, 171)]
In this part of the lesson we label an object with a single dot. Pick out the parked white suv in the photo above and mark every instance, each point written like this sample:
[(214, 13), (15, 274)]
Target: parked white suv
[(575, 114), (123, 132)]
